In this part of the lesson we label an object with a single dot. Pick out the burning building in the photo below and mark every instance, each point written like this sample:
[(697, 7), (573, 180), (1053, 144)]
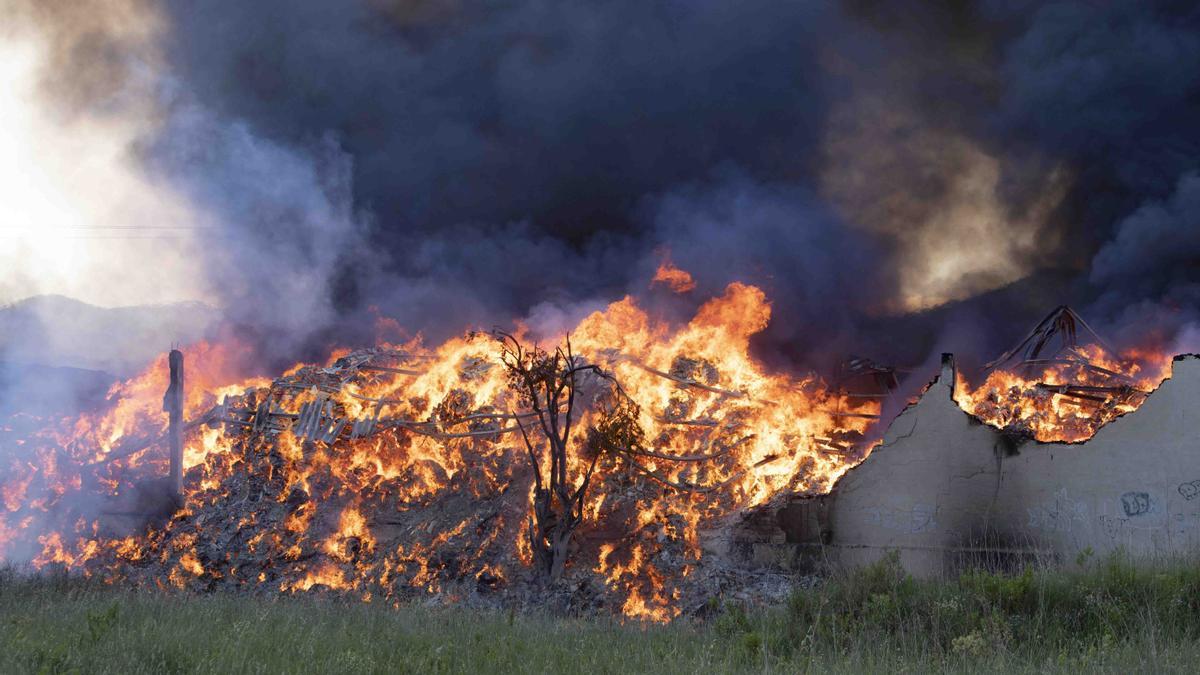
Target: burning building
[(1063, 449), (405, 471), (950, 491), (901, 180)]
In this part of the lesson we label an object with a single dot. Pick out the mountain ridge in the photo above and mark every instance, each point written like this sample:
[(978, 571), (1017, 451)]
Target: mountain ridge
[(60, 331)]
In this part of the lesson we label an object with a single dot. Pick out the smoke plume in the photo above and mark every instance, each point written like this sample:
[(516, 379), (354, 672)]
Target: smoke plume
[(451, 164)]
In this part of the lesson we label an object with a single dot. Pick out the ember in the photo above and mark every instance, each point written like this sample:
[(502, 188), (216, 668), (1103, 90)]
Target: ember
[(1053, 388), (615, 468), (400, 470)]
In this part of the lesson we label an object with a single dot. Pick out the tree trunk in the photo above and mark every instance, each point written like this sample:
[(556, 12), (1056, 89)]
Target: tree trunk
[(560, 545)]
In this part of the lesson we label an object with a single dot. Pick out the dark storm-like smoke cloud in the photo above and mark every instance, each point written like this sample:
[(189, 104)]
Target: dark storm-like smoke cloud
[(519, 156), (457, 163), (563, 112), (1115, 90), (1148, 270), (782, 238)]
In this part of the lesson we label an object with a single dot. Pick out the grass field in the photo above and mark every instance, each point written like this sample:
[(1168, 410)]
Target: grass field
[(1111, 618)]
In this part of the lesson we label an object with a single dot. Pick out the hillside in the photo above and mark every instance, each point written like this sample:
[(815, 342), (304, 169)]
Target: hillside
[(58, 331)]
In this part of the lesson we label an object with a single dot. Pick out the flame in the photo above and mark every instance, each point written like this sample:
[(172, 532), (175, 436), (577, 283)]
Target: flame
[(136, 416), (191, 564), (409, 477), (1065, 401), (679, 281), (398, 470), (326, 574)]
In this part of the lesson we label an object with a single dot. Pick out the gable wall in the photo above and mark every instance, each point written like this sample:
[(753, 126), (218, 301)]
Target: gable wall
[(947, 491)]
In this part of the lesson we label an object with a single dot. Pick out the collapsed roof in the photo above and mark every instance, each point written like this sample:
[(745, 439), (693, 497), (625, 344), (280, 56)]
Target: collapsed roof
[(949, 492)]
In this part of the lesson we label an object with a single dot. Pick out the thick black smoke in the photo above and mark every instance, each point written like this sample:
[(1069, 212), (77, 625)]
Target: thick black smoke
[(1116, 93), (454, 163), (564, 113), (506, 153)]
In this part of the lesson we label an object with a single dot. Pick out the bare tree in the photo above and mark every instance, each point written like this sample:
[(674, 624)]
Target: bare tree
[(550, 385)]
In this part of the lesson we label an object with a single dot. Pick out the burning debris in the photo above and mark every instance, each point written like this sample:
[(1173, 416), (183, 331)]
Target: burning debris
[(619, 464), (618, 471), (1052, 387), (948, 494)]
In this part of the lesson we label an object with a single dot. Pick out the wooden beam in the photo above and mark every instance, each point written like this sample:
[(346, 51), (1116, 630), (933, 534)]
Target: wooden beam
[(389, 369)]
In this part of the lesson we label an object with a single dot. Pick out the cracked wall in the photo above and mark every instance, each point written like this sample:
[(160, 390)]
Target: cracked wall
[(949, 492)]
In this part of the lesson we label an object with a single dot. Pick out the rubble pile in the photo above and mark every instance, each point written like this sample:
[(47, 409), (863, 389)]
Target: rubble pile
[(1053, 387), (405, 473), (399, 472), (299, 503)]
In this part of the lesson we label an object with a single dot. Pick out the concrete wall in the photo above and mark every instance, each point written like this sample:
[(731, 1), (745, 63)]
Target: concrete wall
[(948, 492)]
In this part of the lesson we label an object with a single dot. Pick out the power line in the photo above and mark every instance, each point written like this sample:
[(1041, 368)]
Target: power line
[(108, 232), (54, 228)]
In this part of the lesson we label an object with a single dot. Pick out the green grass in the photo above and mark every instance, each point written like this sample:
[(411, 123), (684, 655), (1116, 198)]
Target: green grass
[(1113, 617)]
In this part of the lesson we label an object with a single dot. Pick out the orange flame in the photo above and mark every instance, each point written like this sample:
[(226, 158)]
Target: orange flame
[(679, 281), (1069, 401), (398, 469)]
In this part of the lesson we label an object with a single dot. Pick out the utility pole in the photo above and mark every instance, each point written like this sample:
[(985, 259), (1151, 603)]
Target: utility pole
[(173, 405)]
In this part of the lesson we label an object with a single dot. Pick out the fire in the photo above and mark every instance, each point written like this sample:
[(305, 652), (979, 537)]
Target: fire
[(427, 426), (327, 575), (399, 471), (189, 563), (1065, 400), (679, 281), (136, 417), (351, 536)]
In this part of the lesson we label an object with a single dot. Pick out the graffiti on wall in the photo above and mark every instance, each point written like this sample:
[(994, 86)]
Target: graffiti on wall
[(1059, 514), (1137, 504), (1190, 490), (919, 518)]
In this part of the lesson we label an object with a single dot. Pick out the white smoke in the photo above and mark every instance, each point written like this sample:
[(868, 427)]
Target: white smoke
[(80, 217)]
